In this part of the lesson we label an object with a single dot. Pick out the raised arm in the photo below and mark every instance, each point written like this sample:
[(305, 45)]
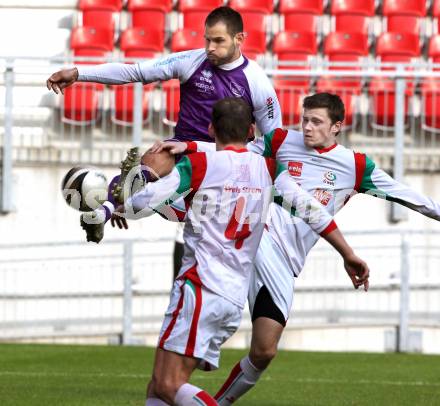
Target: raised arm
[(377, 183)]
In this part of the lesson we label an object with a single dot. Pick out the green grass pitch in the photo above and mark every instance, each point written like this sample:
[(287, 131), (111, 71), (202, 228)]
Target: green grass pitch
[(61, 375)]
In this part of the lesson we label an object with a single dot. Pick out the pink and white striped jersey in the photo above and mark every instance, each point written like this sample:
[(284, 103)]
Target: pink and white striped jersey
[(227, 195)]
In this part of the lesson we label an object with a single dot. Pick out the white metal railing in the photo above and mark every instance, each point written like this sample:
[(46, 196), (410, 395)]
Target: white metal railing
[(121, 288)]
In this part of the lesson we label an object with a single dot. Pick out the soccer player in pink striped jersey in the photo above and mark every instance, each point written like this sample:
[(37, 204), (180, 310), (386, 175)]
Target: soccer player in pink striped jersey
[(226, 196)]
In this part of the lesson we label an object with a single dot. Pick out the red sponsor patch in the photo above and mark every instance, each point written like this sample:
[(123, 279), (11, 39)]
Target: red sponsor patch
[(295, 168), (322, 196)]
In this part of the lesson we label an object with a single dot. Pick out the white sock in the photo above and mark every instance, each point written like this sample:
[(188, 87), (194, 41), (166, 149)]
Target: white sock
[(155, 402), (190, 395), (242, 378)]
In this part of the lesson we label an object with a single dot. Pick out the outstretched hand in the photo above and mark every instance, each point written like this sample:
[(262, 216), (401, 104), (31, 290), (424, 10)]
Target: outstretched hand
[(357, 271), (118, 218), (173, 147), (62, 79)]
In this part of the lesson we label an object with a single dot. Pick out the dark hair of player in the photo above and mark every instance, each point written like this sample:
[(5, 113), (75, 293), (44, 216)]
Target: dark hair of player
[(228, 16), (231, 119), (331, 102)]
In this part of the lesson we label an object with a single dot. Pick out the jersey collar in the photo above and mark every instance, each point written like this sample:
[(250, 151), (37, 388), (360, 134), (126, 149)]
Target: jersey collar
[(323, 150), (235, 149), (232, 65)]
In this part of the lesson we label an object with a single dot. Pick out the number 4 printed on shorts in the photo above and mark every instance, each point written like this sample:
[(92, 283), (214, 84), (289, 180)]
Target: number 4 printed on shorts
[(231, 232)]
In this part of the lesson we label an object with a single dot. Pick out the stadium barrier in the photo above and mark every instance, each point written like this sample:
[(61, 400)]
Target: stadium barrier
[(118, 291)]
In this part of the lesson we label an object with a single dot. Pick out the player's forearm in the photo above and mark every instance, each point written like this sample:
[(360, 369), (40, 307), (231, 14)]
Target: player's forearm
[(338, 242), (110, 73)]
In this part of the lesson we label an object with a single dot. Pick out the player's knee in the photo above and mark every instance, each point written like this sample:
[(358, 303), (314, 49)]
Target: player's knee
[(261, 356)]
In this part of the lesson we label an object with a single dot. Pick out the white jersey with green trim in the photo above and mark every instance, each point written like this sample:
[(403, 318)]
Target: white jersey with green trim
[(332, 175), (227, 194)]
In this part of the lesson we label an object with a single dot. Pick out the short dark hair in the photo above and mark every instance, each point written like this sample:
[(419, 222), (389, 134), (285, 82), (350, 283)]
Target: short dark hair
[(231, 119), (332, 102), (228, 16)]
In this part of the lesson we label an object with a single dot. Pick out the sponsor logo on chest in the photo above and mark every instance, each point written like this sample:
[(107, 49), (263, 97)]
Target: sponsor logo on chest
[(329, 178), (205, 82), (295, 168), (322, 196)]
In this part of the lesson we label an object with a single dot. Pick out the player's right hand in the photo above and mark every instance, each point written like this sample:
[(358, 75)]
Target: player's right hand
[(62, 79), (173, 147), (358, 271)]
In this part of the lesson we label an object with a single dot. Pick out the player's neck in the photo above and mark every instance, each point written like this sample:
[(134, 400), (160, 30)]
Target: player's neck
[(232, 146)]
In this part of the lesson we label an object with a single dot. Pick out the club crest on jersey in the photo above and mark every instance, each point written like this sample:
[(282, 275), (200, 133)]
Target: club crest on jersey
[(242, 173), (322, 196), (329, 178), (237, 90), (295, 168)]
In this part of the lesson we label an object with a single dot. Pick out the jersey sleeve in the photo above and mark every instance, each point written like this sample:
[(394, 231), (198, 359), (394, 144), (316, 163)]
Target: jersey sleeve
[(377, 183), (269, 144), (300, 204), (176, 65), (267, 111), (199, 146)]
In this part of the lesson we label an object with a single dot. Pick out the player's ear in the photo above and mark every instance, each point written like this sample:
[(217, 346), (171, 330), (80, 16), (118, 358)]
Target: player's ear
[(251, 132), (211, 131), (239, 38), (336, 127)]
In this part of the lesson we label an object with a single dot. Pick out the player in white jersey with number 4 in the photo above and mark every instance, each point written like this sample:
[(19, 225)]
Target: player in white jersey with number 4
[(226, 195), (332, 174)]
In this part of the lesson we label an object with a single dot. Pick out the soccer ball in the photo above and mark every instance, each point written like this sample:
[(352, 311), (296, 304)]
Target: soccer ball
[(84, 189)]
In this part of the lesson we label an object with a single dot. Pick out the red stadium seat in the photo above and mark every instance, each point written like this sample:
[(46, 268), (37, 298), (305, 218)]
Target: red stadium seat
[(382, 94), (186, 39), (254, 22), (90, 41), (171, 104), (150, 14), (162, 5), (99, 13), (434, 48), (195, 19), (396, 47), (294, 45), (257, 6), (139, 42), (290, 99), (301, 15), (351, 46), (122, 108), (352, 15), (404, 16), (199, 5), (254, 44), (346, 47), (430, 90), (82, 103)]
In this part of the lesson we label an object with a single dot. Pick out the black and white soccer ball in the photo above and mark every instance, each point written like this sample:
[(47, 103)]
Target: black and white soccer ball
[(84, 189)]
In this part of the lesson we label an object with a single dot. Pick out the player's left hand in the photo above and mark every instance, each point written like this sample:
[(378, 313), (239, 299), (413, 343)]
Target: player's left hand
[(118, 218), (357, 271), (173, 147)]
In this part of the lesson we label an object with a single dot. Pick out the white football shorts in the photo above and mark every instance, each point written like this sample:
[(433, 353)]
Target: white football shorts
[(272, 269), (197, 322)]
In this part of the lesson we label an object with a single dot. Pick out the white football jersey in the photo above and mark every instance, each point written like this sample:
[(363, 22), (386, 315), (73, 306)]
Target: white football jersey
[(227, 195), (332, 175)]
